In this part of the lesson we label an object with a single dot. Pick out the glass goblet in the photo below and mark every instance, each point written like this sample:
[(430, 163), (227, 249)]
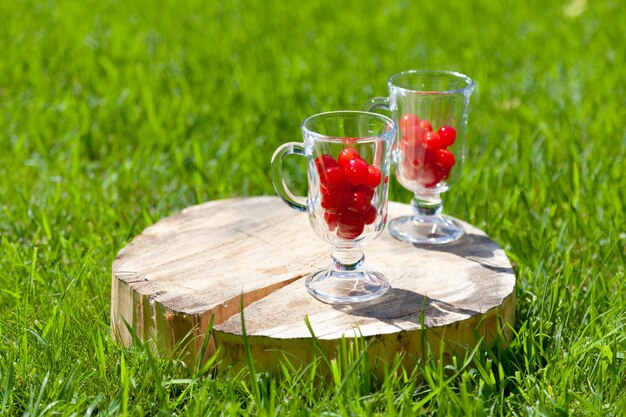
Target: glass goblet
[(348, 161), (430, 108)]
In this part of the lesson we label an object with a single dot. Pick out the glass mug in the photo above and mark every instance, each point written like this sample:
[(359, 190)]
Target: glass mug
[(431, 109), (348, 160)]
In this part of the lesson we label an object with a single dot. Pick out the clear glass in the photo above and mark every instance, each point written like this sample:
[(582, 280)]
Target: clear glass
[(430, 108), (348, 161)]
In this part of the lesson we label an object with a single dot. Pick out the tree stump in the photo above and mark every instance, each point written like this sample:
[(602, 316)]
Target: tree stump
[(200, 265)]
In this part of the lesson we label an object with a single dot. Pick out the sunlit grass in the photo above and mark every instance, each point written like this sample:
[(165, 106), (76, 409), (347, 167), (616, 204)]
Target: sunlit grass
[(116, 114)]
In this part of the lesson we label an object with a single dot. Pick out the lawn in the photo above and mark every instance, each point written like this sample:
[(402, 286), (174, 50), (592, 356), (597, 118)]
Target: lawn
[(115, 114)]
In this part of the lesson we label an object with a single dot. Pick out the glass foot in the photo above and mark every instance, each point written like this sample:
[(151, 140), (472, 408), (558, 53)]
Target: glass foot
[(336, 287), (435, 230)]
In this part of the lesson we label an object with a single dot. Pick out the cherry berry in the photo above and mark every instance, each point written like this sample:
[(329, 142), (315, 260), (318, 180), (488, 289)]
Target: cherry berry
[(431, 140), (347, 155), (334, 178), (333, 201), (430, 175), (373, 176), (370, 215), (408, 121), (425, 124), (445, 159), (369, 192), (356, 171), (324, 161), (350, 226), (447, 135), (358, 202)]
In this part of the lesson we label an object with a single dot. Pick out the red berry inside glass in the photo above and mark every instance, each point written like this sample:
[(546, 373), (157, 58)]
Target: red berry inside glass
[(445, 159), (347, 187), (331, 220), (370, 215), (447, 135), (425, 124), (347, 155), (333, 178), (356, 171), (431, 140), (426, 159), (358, 202), (373, 176), (333, 201), (350, 225), (408, 121), (324, 161)]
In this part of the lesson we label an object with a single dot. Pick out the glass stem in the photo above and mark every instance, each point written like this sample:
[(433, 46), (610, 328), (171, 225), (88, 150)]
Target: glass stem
[(347, 258), (427, 205)]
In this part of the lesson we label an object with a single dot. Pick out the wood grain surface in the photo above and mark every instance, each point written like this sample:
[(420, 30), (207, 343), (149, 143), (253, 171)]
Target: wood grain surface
[(201, 264)]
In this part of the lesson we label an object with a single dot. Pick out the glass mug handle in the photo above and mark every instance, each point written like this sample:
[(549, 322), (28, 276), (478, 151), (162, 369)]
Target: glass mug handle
[(377, 103), (284, 150)]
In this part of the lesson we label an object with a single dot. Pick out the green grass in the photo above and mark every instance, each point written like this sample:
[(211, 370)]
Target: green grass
[(115, 114)]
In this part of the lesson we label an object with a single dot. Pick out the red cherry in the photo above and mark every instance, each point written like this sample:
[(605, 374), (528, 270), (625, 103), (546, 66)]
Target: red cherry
[(412, 151), (370, 215), (333, 201), (350, 226), (410, 128), (431, 140), (373, 177), (331, 220), (430, 156), (419, 154), (333, 178), (347, 155), (412, 134), (386, 179), (408, 121), (358, 202), (356, 171), (425, 124), (447, 135), (445, 159), (369, 192), (430, 175), (324, 161)]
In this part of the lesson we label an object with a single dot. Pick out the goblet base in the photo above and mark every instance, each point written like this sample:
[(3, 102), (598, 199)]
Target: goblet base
[(434, 230), (340, 287)]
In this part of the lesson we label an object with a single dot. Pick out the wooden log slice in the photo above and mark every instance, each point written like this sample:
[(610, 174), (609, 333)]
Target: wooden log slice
[(199, 266)]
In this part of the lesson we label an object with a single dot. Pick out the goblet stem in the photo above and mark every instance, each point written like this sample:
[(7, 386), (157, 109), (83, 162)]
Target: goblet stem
[(347, 258), (427, 205)]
